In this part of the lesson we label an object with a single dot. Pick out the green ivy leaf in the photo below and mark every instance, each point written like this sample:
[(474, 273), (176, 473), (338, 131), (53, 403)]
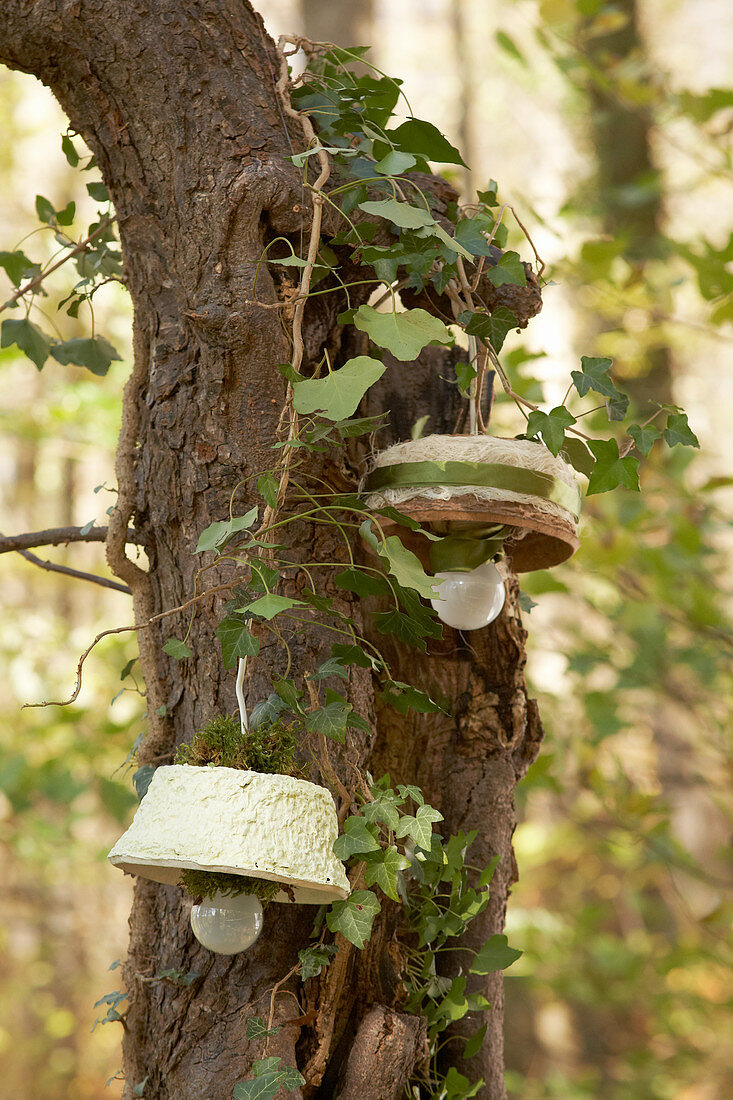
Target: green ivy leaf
[(338, 394), (578, 455), (384, 869), (267, 486), (354, 917), (218, 533), (509, 269), (644, 438), (362, 583), (508, 45), (593, 375), (94, 353), (332, 667), (465, 374), (419, 827), (175, 648), (494, 955), (141, 779), (45, 210), (402, 214), (404, 334), (28, 337), (491, 328), (270, 605), (475, 1042), (236, 641), (330, 720), (610, 469), (395, 163), (354, 655), (551, 426), (679, 431), (18, 267), (258, 1029), (425, 140), (98, 192), (404, 697), (313, 959), (69, 150), (356, 838), (287, 691), (404, 565), (66, 216), (458, 1087)]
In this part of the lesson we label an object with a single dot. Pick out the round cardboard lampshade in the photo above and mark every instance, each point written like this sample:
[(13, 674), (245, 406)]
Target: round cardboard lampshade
[(238, 822), (466, 483)]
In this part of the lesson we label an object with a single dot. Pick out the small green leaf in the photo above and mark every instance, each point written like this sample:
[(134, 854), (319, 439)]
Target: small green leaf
[(330, 720), (258, 1029), (610, 469), (175, 648), (594, 376), (406, 566), (404, 334), (509, 269), (361, 583), (219, 532), (491, 328), (270, 605), (383, 872), (28, 337), (66, 216), (425, 140), (17, 266), (400, 213), (551, 426), (356, 838), (508, 45), (354, 917), (578, 455), (419, 827), (45, 210), (338, 394), (267, 487), (475, 1042), (98, 192), (645, 437), (69, 150), (236, 641), (458, 1087), (494, 955), (404, 697), (141, 779), (395, 163), (94, 353), (332, 667), (313, 959), (679, 431), (465, 374)]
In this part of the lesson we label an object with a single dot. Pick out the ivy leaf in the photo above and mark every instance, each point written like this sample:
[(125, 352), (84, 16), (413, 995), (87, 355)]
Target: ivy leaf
[(578, 455), (353, 655), (425, 140), (236, 641), (330, 720), (45, 210), (98, 192), (401, 562), (402, 214), (383, 871), (509, 269), (17, 266), (28, 337), (95, 353), (219, 532), (404, 697), (267, 487), (465, 374), (258, 1029), (404, 334), (644, 437), (419, 827), (338, 394), (332, 667), (361, 583), (356, 838), (491, 328), (593, 375), (175, 648), (287, 691), (494, 955), (395, 163), (458, 1087), (475, 1042), (66, 216), (354, 917), (551, 426), (270, 605), (679, 431), (313, 959), (509, 46), (383, 808), (141, 779), (610, 469), (69, 150)]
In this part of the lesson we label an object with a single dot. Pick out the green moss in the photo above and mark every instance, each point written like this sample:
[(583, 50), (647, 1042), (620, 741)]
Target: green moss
[(269, 748), (204, 884)]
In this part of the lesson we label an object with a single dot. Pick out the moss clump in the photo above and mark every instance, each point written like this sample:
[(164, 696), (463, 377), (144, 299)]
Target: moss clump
[(268, 748), (204, 884)]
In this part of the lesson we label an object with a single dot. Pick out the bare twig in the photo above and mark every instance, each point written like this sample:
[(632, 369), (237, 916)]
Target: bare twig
[(57, 536), (52, 567)]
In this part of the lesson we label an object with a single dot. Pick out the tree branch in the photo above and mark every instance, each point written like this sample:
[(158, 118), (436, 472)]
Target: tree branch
[(51, 567), (58, 536)]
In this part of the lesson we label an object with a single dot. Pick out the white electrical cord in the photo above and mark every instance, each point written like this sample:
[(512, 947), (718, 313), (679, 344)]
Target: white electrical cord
[(473, 388), (243, 720)]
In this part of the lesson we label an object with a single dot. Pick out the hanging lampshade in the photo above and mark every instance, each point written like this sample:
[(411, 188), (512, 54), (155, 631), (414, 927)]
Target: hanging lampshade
[(482, 494), (237, 822)]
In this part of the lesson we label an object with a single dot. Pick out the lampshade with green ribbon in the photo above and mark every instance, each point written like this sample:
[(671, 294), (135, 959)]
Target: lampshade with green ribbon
[(483, 495)]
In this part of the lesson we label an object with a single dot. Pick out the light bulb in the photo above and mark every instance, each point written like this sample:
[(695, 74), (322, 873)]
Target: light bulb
[(227, 925), (468, 601)]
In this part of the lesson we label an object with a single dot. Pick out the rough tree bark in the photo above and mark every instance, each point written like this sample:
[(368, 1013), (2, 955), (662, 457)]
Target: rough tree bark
[(178, 102)]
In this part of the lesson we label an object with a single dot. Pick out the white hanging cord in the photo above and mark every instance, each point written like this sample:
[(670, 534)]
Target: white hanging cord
[(473, 388), (243, 720)]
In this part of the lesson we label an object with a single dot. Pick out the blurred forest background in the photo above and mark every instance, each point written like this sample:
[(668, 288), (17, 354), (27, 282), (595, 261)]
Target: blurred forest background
[(608, 126)]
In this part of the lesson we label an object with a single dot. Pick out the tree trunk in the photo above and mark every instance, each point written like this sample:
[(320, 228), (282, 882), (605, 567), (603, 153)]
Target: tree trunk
[(179, 104)]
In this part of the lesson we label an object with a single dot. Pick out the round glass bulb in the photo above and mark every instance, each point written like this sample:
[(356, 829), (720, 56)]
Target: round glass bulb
[(227, 925), (468, 601)]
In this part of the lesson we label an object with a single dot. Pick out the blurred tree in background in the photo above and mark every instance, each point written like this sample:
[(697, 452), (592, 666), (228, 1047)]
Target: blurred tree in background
[(611, 124)]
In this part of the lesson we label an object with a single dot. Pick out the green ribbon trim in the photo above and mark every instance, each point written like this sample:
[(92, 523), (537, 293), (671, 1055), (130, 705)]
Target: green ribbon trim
[(492, 475), (466, 550)]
